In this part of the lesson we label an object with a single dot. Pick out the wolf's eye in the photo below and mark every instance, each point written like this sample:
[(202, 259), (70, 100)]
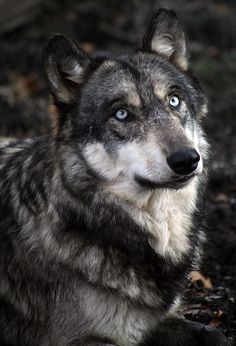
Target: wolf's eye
[(174, 101), (121, 114)]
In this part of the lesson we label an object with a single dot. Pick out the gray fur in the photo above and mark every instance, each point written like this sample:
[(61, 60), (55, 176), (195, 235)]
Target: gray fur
[(97, 233)]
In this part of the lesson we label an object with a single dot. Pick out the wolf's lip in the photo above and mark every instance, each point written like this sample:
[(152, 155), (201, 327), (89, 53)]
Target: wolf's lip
[(184, 178), (174, 183)]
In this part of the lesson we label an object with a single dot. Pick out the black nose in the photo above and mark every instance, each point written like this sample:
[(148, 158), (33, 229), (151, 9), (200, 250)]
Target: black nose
[(184, 162)]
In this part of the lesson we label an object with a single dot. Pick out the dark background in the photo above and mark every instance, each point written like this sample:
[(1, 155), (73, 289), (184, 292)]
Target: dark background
[(118, 26)]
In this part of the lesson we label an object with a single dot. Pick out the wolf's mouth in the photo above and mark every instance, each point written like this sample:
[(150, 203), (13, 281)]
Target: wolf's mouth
[(175, 183), (184, 179)]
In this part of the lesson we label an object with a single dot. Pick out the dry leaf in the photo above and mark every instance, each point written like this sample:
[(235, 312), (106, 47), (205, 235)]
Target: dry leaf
[(217, 320)]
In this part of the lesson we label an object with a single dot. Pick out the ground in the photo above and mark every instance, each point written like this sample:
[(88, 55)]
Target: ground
[(211, 28)]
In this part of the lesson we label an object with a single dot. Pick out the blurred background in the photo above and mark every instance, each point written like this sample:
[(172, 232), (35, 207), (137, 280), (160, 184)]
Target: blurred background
[(118, 26)]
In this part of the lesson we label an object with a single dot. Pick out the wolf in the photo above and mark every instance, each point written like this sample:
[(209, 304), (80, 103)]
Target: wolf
[(99, 219)]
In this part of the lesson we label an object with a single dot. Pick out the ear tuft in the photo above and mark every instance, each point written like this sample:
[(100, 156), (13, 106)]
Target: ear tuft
[(64, 66), (165, 36)]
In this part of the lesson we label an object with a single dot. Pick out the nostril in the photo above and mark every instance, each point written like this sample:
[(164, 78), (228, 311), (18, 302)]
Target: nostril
[(184, 162)]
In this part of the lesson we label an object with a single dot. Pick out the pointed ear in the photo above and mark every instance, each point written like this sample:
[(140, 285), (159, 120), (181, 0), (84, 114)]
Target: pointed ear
[(165, 36), (64, 65)]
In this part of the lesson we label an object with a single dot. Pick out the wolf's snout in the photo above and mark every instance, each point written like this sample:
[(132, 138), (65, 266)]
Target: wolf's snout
[(184, 162)]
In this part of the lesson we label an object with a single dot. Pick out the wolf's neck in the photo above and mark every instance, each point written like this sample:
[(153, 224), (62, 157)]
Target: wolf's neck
[(160, 201), (174, 211), (172, 214)]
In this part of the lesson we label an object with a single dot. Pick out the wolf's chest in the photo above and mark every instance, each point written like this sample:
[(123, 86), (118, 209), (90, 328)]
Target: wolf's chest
[(171, 222), (125, 323), (166, 215)]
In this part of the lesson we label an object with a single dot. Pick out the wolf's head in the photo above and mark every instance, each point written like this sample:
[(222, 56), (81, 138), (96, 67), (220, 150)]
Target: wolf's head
[(132, 118)]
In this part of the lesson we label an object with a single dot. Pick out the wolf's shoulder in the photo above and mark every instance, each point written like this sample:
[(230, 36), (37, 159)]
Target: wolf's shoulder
[(17, 155), (9, 147)]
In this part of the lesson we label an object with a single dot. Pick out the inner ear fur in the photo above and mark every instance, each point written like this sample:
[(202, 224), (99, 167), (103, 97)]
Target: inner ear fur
[(65, 64), (165, 36)]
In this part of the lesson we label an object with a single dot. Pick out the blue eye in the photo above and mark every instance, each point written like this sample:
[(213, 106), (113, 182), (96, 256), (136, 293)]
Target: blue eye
[(174, 101), (121, 114)]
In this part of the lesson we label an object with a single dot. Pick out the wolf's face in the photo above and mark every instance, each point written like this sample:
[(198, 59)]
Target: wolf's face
[(134, 118)]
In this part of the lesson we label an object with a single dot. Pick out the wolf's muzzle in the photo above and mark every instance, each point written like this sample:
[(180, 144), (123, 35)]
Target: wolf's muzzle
[(184, 162)]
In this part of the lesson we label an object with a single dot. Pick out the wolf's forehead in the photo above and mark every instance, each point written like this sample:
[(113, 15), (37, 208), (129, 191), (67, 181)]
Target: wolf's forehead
[(158, 71), (132, 76), (117, 82)]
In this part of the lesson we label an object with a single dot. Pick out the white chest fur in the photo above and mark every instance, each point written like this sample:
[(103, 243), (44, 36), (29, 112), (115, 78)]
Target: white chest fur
[(122, 321), (173, 210), (166, 214)]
